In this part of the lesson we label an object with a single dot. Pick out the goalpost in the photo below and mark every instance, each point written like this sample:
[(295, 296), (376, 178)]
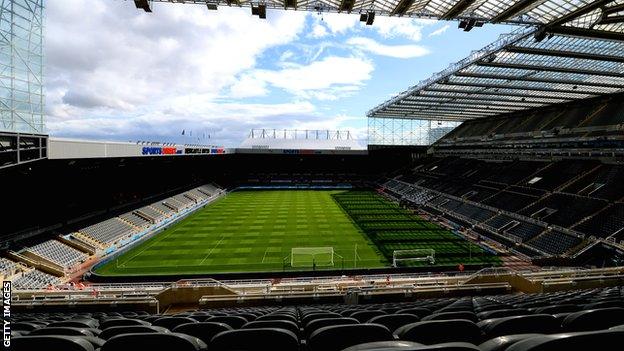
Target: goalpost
[(402, 258), (312, 256)]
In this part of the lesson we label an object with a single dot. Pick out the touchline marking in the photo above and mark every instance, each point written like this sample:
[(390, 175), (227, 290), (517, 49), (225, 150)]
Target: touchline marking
[(210, 252)]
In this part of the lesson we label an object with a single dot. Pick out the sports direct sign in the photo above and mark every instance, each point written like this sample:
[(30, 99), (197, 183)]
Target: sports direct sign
[(158, 150)]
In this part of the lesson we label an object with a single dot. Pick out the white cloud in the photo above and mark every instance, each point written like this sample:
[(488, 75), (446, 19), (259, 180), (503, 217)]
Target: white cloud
[(390, 27), (397, 51), (339, 23), (326, 79), (440, 30), (122, 59), (318, 31)]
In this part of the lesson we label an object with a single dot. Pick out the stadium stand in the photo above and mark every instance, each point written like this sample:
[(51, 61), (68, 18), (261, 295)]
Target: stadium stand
[(484, 323), (109, 231), (34, 279), (151, 213), (59, 253), (7, 267)]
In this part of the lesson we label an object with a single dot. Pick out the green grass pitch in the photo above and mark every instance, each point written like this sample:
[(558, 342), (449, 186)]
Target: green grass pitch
[(254, 231)]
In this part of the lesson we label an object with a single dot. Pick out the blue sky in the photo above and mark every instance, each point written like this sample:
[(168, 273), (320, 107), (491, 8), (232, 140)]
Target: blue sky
[(122, 74)]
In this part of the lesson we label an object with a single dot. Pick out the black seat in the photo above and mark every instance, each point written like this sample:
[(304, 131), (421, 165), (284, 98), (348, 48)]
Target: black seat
[(451, 315), (501, 343), (62, 331), (421, 312), (537, 323), (25, 326), (363, 316), (394, 321), (203, 330), (287, 325), (554, 309), (400, 345), (503, 313), (116, 322), (233, 321), (50, 342), (277, 317), (77, 323), (326, 322), (131, 329), (319, 315), (172, 322), (603, 340), (603, 318), (154, 342), (436, 332), (338, 337), (255, 339)]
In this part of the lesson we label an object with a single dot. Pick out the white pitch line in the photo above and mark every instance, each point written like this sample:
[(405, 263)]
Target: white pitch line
[(265, 252), (210, 252)]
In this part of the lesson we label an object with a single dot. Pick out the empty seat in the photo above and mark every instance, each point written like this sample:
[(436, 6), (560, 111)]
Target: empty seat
[(400, 345), (503, 313), (320, 315), (50, 342), (363, 316), (594, 319), (172, 322), (338, 337), (233, 321), (77, 323), (435, 332), (25, 326), (287, 325), (417, 311), (203, 330), (154, 342), (537, 323), (603, 340), (451, 315), (116, 322), (501, 343), (62, 331), (255, 339), (325, 322), (277, 317), (131, 329), (394, 321), (554, 309)]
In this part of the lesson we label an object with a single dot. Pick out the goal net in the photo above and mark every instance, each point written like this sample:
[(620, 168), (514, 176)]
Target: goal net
[(312, 256), (405, 258)]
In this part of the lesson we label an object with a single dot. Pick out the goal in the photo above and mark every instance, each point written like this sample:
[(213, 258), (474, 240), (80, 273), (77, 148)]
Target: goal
[(312, 256), (403, 258)]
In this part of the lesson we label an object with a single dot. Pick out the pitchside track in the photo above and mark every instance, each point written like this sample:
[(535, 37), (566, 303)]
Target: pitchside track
[(255, 231)]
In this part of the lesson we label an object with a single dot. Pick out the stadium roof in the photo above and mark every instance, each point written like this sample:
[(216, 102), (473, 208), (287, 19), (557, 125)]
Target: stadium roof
[(602, 17), (526, 69)]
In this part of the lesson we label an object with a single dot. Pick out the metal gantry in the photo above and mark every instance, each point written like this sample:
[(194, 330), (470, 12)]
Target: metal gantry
[(601, 17), (21, 66)]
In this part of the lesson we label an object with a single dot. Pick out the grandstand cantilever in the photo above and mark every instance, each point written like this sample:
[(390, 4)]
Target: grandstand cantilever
[(515, 73)]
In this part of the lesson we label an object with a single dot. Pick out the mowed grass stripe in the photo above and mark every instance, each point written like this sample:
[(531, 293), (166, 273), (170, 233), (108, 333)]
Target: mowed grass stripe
[(250, 231)]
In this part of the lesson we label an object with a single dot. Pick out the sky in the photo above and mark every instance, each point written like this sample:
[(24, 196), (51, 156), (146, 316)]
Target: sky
[(115, 73)]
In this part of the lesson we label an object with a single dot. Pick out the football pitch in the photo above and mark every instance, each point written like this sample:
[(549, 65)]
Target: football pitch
[(254, 231)]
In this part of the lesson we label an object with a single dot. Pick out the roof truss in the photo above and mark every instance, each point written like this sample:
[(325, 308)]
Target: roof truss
[(515, 73)]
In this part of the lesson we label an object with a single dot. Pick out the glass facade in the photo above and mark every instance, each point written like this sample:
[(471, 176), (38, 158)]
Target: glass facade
[(399, 131), (21, 66)]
